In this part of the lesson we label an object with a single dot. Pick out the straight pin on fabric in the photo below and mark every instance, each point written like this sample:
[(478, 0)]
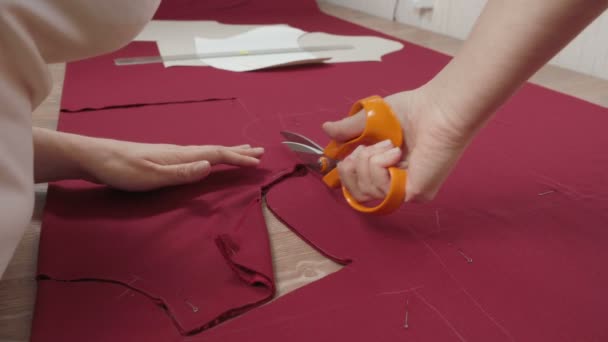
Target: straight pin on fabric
[(437, 220), (407, 314), (469, 260), (192, 306), (546, 193)]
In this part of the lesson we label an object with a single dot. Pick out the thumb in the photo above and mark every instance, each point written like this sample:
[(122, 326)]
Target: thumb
[(347, 128), (184, 173)]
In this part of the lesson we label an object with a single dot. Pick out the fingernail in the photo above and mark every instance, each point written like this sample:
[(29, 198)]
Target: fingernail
[(393, 151), (258, 149), (200, 166), (384, 143), (254, 161)]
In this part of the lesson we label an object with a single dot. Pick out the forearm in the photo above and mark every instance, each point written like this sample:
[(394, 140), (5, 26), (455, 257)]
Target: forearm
[(509, 43), (57, 155)]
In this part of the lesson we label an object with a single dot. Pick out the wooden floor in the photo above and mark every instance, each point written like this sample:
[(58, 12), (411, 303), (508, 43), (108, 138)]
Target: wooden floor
[(296, 263)]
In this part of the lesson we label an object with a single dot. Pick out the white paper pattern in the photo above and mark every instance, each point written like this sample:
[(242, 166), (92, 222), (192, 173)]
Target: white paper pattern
[(263, 38), (177, 38)]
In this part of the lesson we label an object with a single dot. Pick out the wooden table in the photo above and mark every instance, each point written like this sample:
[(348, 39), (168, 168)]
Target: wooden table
[(296, 263)]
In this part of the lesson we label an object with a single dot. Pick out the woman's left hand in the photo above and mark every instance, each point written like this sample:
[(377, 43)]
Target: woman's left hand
[(139, 167), (127, 165)]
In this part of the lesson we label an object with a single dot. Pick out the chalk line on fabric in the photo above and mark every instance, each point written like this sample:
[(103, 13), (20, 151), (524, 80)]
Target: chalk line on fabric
[(443, 318)]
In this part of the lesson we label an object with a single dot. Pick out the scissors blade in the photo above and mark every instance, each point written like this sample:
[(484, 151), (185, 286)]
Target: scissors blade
[(307, 154), (300, 139)]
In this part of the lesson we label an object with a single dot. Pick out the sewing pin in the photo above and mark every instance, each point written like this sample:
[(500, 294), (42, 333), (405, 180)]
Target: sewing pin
[(407, 313), (469, 260), (194, 308)]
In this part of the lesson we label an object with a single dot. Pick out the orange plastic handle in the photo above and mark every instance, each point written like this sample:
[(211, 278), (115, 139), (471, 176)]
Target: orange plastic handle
[(382, 124), (393, 200)]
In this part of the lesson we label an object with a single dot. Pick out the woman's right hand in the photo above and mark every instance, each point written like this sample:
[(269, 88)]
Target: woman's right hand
[(434, 141)]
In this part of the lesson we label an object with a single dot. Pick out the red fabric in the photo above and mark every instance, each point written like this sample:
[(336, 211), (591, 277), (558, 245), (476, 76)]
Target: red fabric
[(182, 246), (241, 10), (287, 90), (527, 204)]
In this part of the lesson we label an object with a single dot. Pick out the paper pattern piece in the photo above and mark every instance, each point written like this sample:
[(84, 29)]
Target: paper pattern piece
[(176, 38), (512, 249), (263, 38)]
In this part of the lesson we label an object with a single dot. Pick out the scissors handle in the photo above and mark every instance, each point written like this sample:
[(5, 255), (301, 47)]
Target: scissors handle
[(393, 200), (381, 124)]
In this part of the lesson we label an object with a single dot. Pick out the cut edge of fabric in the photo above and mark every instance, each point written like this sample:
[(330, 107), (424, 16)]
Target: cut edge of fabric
[(137, 105), (301, 170), (248, 275)]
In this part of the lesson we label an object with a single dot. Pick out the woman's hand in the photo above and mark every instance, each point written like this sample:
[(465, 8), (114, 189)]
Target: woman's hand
[(433, 144), (509, 43), (128, 165), (139, 167)]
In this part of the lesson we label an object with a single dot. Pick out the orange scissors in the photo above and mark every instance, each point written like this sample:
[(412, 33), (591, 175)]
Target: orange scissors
[(382, 124)]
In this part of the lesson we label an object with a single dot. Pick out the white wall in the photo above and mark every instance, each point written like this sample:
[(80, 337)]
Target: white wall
[(380, 8), (588, 53), (450, 17)]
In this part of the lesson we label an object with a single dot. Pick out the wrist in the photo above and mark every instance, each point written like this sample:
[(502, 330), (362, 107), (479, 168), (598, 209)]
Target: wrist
[(458, 114), (55, 156), (85, 152), (74, 152)]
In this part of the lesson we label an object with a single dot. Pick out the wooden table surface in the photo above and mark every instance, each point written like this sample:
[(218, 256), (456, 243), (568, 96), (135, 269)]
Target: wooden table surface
[(296, 263)]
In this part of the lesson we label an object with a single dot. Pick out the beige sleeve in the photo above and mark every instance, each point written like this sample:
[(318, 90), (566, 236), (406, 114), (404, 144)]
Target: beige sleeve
[(32, 34)]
